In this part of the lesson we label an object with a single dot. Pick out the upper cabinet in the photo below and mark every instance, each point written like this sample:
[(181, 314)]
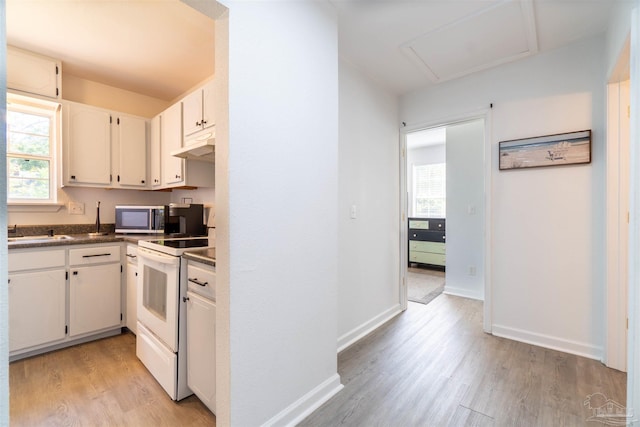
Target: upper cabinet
[(35, 74), (198, 110), (93, 137), (175, 171)]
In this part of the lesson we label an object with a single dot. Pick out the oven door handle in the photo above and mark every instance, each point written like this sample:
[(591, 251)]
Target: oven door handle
[(158, 257)]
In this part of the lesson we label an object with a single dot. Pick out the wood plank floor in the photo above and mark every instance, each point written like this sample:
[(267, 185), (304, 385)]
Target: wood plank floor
[(433, 366), (101, 383), (430, 366)]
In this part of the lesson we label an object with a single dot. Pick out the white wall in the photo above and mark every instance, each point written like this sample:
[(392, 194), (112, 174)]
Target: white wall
[(368, 252), (276, 204), (465, 210), (548, 235)]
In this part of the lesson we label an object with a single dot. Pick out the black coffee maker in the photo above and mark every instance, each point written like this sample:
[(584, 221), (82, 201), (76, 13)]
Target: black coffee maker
[(184, 220)]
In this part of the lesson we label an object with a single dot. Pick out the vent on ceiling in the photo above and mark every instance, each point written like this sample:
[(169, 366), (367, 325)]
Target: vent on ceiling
[(498, 34)]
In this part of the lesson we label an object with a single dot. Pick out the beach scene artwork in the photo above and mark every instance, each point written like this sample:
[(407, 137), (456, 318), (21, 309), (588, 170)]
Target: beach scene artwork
[(562, 149)]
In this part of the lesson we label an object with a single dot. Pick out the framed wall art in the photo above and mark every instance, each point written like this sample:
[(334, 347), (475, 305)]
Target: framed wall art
[(551, 150)]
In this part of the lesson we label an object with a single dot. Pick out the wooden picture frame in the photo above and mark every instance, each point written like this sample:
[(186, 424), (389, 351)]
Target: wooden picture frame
[(551, 150)]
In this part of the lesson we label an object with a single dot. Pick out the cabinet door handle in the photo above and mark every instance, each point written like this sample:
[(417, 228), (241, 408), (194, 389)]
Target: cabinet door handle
[(185, 299), (75, 273), (198, 123), (95, 255), (203, 122), (197, 282)]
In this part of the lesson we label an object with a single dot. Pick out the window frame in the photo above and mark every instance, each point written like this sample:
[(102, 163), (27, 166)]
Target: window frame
[(52, 110), (414, 200)]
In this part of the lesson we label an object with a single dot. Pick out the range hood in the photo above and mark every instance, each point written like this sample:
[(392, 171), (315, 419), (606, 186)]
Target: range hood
[(201, 148)]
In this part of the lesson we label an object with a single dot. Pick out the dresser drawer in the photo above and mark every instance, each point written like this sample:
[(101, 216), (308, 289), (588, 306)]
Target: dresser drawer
[(434, 247), (434, 224), (427, 236), (427, 258)]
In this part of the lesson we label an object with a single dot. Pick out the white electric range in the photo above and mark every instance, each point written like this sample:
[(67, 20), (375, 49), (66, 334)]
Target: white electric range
[(162, 285)]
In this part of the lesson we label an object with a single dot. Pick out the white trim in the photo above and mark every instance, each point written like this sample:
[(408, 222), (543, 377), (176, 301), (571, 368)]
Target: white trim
[(34, 207), (460, 292), (404, 222), (303, 407), (548, 341), (617, 199), (369, 326), (633, 333)]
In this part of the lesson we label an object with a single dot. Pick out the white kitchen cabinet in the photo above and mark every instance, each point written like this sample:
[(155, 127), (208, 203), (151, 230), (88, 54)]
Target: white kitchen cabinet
[(156, 153), (94, 289), (201, 332), (198, 110), (32, 73), (129, 143), (93, 137), (131, 285), (87, 145), (37, 298), (201, 348), (171, 134)]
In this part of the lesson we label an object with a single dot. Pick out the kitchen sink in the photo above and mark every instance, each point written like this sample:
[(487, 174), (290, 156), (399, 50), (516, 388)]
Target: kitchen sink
[(39, 239)]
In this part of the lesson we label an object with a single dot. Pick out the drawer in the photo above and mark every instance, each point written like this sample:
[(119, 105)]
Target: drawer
[(427, 236), (434, 247), (36, 259), (435, 224), (132, 253), (201, 279), (427, 258), (94, 255)]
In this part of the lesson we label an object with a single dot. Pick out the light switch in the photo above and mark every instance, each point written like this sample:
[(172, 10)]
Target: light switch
[(354, 212)]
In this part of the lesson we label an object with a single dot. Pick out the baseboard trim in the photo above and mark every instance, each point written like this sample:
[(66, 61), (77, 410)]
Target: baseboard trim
[(550, 342), (357, 333), (303, 407), (465, 293)]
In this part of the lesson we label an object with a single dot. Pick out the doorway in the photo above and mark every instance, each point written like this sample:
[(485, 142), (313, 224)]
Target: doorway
[(450, 156)]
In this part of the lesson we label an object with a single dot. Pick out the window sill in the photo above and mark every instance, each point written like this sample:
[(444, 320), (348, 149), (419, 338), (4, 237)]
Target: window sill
[(34, 207)]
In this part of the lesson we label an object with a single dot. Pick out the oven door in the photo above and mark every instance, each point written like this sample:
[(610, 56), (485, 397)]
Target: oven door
[(158, 292)]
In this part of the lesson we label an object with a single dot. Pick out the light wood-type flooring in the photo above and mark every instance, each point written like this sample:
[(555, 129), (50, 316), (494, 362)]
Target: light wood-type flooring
[(100, 383), (430, 366), (433, 366)]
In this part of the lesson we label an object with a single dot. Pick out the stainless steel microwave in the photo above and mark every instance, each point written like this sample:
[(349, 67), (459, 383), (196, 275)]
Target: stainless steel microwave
[(141, 219)]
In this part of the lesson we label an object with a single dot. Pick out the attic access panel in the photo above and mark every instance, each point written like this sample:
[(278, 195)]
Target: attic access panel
[(495, 35)]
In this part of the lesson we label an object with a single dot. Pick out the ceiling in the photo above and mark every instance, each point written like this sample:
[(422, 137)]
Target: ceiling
[(160, 48), (406, 45), (163, 48)]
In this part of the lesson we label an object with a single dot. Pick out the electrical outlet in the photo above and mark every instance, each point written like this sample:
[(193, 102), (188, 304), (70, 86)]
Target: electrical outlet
[(76, 208), (354, 212)]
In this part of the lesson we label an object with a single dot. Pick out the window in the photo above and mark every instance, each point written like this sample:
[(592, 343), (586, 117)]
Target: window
[(430, 190), (31, 150)]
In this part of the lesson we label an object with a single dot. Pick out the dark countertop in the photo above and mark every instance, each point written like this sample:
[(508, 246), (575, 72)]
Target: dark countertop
[(205, 256), (82, 239)]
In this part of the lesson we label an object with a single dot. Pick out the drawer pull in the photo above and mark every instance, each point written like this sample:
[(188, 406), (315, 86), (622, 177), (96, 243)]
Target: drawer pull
[(197, 282), (132, 256), (95, 255)]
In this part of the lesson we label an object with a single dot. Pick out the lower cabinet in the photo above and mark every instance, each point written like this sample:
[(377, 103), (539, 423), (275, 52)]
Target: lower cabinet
[(37, 308), (59, 297), (201, 348), (201, 332), (94, 298), (131, 288)]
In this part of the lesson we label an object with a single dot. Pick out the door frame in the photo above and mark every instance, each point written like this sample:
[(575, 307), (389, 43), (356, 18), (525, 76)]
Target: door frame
[(484, 114)]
